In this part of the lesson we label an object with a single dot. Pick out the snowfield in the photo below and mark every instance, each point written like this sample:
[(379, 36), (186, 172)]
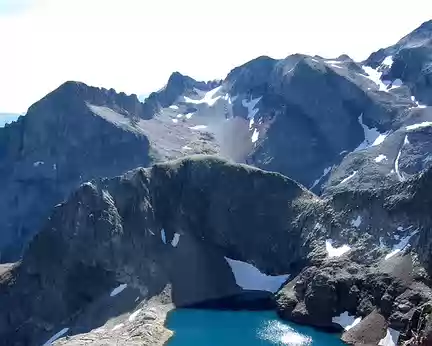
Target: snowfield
[(249, 277)]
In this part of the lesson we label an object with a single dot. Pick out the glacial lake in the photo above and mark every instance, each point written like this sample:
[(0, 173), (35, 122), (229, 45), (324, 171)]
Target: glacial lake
[(193, 327)]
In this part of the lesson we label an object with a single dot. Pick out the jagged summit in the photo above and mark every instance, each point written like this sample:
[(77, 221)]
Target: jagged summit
[(408, 62), (420, 36), (359, 135), (75, 95), (177, 85)]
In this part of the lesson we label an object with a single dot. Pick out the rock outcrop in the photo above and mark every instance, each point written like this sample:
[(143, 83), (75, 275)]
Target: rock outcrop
[(123, 230), (59, 144), (166, 232), (360, 253)]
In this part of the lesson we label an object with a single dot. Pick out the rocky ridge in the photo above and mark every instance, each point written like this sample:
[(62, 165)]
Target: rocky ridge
[(90, 243), (355, 124), (360, 253)]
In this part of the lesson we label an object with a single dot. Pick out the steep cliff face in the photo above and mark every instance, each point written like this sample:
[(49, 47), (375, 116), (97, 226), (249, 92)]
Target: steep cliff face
[(171, 225), (383, 281), (356, 125), (60, 143), (172, 232), (409, 60)]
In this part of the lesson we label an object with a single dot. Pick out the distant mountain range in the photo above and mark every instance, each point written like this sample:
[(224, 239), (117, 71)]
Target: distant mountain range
[(6, 118), (346, 213)]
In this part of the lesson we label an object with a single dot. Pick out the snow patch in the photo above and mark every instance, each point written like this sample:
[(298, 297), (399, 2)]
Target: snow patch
[(255, 136), (398, 172), (198, 127), (173, 107), (390, 339), (380, 158), (188, 115), (403, 243), (375, 76), (388, 61), (372, 136), (326, 171), (250, 105), (336, 251), (357, 221), (118, 290), (397, 83), (334, 65), (186, 147), (38, 163), (348, 177), (175, 121), (346, 321), (163, 236), (118, 326), (209, 97), (413, 99), (175, 240), (249, 277), (380, 139), (56, 336), (134, 315), (251, 122), (419, 125)]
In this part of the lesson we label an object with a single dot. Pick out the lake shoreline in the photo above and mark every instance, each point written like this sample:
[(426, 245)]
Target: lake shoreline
[(239, 327)]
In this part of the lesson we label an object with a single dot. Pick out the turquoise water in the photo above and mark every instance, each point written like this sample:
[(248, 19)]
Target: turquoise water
[(250, 328)]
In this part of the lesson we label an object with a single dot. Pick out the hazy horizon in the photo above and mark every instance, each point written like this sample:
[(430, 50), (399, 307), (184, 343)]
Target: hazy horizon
[(133, 46)]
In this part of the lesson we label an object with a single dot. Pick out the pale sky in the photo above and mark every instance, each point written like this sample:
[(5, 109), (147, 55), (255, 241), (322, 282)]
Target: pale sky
[(134, 45)]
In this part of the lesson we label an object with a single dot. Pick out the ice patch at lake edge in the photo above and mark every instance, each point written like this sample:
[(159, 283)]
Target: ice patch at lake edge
[(346, 321), (249, 277)]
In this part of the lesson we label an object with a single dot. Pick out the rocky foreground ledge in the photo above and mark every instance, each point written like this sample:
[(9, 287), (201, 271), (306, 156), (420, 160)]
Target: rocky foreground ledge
[(177, 234)]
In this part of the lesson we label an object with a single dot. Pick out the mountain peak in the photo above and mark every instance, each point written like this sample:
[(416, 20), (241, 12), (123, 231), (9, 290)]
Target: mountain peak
[(418, 37), (75, 95), (251, 74), (180, 82), (426, 25)]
